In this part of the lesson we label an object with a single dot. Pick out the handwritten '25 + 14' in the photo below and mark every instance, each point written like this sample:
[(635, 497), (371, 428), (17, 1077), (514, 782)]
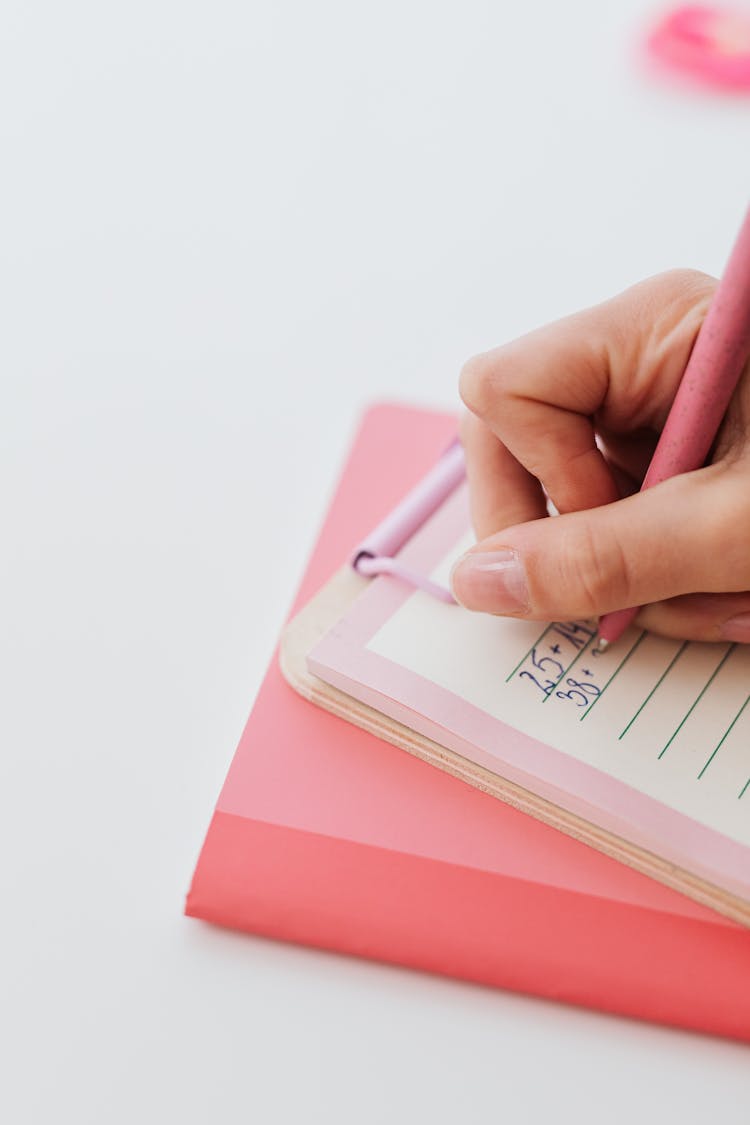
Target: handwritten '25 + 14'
[(563, 648)]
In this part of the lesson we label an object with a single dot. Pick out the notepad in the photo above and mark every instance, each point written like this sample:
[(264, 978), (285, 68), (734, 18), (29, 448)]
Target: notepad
[(643, 750)]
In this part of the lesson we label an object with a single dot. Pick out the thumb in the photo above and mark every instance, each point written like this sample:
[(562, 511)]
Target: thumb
[(673, 539)]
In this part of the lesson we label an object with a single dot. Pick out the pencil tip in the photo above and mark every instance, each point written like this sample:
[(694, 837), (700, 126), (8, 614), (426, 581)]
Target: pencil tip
[(602, 645)]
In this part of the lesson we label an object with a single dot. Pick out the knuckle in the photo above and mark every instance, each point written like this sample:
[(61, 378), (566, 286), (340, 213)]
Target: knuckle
[(483, 380), (596, 571), (474, 383), (690, 280), (674, 294)]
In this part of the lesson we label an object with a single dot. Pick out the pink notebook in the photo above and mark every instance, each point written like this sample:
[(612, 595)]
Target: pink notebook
[(327, 836)]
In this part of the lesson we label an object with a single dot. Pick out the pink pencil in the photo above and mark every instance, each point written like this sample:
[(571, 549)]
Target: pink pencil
[(719, 355)]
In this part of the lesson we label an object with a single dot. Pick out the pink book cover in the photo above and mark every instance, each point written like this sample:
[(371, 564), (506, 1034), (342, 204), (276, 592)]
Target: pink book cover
[(327, 836)]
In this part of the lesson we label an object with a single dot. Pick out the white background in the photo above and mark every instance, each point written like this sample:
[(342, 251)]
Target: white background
[(225, 228)]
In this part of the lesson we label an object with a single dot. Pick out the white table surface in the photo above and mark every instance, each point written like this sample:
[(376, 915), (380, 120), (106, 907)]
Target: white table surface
[(225, 228)]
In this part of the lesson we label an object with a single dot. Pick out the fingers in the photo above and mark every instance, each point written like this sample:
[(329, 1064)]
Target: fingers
[(618, 364), (700, 617), (691, 533), (502, 492), (543, 418)]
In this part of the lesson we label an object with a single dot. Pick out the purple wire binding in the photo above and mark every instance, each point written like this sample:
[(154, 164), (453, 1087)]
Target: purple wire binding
[(375, 555)]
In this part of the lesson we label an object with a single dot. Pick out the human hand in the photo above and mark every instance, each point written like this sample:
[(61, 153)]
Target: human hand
[(574, 410)]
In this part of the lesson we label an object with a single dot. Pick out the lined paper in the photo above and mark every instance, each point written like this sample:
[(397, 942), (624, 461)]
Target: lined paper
[(669, 718)]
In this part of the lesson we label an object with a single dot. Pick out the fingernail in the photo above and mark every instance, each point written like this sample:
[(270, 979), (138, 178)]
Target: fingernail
[(736, 629), (493, 581)]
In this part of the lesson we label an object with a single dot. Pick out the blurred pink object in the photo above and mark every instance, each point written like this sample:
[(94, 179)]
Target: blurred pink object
[(710, 44)]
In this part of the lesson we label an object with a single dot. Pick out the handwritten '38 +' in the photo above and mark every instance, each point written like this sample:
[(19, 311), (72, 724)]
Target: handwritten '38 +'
[(546, 665)]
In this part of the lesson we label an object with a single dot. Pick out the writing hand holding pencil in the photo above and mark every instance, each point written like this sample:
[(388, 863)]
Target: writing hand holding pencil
[(574, 412)]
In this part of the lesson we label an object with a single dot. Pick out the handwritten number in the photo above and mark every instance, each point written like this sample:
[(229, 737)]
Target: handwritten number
[(549, 672), (574, 696), (543, 663), (577, 633), (546, 688), (579, 627), (587, 688), (581, 692)]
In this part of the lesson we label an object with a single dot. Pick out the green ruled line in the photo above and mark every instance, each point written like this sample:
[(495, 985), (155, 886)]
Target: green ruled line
[(724, 737), (616, 672), (744, 787), (565, 671), (698, 698), (658, 684), (539, 639)]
